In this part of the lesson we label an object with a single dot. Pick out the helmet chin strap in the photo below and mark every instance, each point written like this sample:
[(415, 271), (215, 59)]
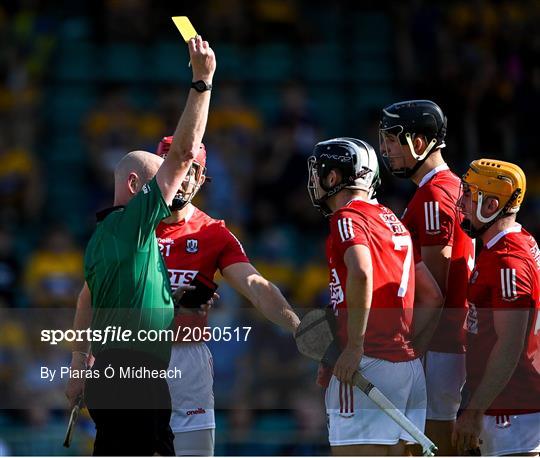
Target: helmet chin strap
[(178, 203), (429, 147), (408, 172), (325, 209), (321, 202), (479, 211), (332, 191), (420, 158)]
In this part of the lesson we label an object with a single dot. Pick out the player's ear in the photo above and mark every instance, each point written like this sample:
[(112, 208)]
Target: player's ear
[(419, 144), (492, 205), (133, 183), (333, 178)]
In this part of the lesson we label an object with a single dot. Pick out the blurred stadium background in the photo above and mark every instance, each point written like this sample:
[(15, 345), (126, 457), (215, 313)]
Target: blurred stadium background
[(82, 83)]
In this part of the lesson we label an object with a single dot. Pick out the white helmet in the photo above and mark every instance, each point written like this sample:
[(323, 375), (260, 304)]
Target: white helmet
[(355, 159)]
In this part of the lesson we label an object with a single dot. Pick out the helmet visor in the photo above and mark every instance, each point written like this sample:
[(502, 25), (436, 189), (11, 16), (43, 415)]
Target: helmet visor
[(391, 141)]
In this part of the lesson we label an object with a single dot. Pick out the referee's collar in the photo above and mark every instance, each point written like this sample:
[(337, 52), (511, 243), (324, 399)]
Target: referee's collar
[(101, 215)]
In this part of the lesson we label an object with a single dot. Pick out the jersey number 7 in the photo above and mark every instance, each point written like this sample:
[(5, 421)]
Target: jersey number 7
[(404, 242)]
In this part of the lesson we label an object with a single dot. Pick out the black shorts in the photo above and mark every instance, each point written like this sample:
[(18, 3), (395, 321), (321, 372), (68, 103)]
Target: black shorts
[(131, 414)]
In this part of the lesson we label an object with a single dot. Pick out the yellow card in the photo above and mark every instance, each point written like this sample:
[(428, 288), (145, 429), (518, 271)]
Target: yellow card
[(183, 24)]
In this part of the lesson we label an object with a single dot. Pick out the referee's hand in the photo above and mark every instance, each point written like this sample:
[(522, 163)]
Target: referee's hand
[(74, 390), (75, 386), (202, 58)]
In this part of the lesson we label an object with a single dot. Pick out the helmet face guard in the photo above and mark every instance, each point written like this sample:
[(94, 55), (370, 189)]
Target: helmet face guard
[(195, 176), (390, 140), (315, 187), (190, 186), (468, 196)]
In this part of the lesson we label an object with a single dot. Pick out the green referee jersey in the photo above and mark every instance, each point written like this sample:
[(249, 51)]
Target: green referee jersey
[(127, 276)]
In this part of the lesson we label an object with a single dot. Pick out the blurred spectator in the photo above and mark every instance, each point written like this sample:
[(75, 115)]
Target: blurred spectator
[(312, 287), (241, 420), (126, 19), (149, 128), (310, 415), (229, 358), (20, 196), (114, 128), (281, 164), (296, 113), (4, 449), (275, 365), (169, 98), (14, 354), (228, 21), (231, 113), (54, 272), (234, 130), (34, 386), (111, 132), (279, 18), (10, 269)]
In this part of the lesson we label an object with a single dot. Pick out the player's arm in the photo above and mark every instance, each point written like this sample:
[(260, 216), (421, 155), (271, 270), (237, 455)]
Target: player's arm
[(359, 286), (79, 358), (428, 302), (436, 232), (437, 259), (190, 129), (264, 295), (511, 329)]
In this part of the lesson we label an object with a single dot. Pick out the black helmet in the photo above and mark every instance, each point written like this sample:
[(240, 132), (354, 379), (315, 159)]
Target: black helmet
[(355, 159), (409, 119)]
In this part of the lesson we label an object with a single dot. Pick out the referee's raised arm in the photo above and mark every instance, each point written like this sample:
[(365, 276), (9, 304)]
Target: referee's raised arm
[(190, 130), (130, 289)]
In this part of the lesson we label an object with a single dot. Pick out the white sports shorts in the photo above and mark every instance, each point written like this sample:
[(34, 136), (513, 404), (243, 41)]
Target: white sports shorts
[(445, 377), (192, 395), (354, 419), (509, 434), (194, 443)]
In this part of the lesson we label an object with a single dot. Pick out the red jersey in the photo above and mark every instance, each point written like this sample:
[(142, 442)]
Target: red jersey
[(389, 323), (506, 277), (198, 243), (433, 219)]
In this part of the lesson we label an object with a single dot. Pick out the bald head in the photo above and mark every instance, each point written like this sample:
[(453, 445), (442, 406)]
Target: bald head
[(132, 172)]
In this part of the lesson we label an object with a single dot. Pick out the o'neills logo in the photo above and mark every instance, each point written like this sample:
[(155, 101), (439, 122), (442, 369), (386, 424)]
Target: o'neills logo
[(198, 411)]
